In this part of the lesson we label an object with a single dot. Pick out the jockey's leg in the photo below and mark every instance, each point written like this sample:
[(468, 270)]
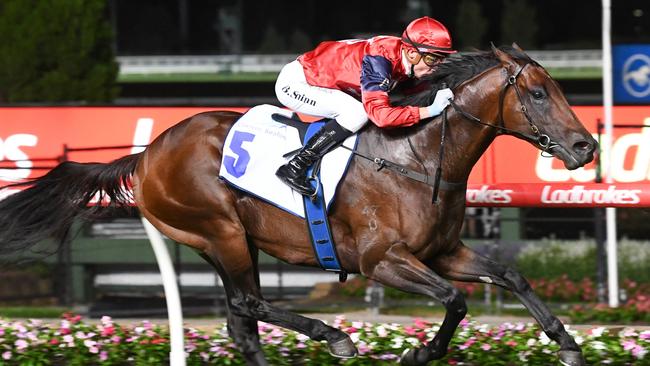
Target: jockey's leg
[(347, 114), (294, 173)]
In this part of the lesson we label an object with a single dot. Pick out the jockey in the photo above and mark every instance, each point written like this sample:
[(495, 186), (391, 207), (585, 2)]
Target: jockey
[(329, 81)]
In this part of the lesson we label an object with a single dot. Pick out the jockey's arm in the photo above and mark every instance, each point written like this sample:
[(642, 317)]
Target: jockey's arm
[(375, 84)]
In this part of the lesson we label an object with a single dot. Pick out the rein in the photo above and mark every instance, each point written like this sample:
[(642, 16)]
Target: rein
[(543, 140)]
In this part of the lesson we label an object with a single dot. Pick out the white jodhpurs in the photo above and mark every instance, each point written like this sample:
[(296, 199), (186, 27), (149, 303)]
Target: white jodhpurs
[(296, 94)]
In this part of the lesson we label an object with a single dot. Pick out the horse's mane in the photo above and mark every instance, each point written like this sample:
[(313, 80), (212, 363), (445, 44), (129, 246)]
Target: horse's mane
[(457, 69)]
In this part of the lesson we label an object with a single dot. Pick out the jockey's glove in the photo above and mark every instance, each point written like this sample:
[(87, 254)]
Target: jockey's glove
[(443, 97)]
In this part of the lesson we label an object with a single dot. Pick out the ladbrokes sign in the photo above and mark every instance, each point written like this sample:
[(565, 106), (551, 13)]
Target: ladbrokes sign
[(558, 195), (28, 135)]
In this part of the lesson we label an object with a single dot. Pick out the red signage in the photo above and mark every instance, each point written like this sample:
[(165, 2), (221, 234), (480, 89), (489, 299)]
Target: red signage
[(559, 195), (29, 135)]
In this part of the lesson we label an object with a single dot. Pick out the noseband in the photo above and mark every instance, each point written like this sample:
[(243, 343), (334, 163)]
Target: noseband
[(543, 140)]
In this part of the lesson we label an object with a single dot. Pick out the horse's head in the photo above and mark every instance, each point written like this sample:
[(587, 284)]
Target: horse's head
[(533, 107)]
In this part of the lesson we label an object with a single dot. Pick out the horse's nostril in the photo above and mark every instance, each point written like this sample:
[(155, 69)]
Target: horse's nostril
[(583, 147)]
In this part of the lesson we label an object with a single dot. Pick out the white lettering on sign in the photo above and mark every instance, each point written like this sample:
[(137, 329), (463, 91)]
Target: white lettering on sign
[(10, 150), (581, 195), (633, 148), (485, 195)]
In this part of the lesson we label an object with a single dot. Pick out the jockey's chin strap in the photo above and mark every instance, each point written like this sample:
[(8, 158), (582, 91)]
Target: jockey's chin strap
[(543, 140)]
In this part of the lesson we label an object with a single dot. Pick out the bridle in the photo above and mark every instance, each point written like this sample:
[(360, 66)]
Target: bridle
[(543, 140)]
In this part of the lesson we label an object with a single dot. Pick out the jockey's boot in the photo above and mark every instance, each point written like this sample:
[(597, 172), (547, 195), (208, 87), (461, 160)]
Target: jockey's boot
[(294, 173)]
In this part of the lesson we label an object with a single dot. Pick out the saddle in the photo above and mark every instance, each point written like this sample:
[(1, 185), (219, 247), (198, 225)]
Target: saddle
[(258, 143)]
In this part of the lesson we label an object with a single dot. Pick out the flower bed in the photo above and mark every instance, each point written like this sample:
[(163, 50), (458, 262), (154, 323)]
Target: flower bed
[(74, 342), (559, 289), (636, 309)]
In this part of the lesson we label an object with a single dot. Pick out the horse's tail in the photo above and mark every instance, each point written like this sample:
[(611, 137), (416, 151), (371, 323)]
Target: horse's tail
[(48, 207)]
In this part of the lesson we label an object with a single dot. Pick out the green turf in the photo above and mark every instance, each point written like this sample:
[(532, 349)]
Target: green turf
[(198, 77), (31, 311), (582, 73)]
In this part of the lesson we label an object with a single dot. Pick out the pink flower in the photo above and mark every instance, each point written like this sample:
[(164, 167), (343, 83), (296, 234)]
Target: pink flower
[(511, 343), (629, 344), (6, 355), (147, 325), (409, 330), (103, 356), (108, 331), (468, 343), (107, 321), (363, 348), (421, 323), (486, 347), (21, 344)]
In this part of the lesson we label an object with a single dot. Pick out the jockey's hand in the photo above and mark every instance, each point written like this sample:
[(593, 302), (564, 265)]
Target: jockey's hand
[(443, 97)]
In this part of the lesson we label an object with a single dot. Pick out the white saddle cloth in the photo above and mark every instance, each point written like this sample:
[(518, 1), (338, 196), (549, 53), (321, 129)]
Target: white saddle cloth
[(254, 150)]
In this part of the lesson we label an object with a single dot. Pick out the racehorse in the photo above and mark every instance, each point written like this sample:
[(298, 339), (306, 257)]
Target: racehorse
[(384, 224)]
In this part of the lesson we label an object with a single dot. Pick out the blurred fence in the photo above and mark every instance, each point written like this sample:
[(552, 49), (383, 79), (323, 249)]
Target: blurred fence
[(562, 59)]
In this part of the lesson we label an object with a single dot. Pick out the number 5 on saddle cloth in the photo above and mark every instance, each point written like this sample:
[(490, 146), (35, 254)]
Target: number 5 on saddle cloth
[(255, 148)]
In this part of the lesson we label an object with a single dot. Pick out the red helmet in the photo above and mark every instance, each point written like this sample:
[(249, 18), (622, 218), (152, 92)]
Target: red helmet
[(427, 35)]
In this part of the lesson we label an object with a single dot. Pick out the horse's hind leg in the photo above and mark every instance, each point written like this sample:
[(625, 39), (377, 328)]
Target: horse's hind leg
[(245, 298), (466, 265), (242, 330), (402, 270)]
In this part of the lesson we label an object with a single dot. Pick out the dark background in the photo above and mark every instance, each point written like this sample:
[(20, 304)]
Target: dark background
[(146, 27)]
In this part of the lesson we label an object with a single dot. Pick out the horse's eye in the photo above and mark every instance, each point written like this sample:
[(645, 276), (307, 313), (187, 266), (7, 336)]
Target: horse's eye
[(538, 94)]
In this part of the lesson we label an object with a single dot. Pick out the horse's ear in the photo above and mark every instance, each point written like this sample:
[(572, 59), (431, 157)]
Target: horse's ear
[(505, 58), (516, 46), (494, 48)]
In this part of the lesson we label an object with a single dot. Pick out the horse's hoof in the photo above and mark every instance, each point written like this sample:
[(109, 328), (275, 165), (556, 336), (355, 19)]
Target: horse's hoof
[(572, 358), (343, 348), (410, 358)]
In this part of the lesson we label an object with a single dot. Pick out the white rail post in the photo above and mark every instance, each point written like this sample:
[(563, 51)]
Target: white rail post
[(141, 137), (172, 297), (610, 212)]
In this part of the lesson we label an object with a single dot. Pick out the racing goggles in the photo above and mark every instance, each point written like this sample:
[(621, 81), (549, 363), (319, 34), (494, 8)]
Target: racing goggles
[(431, 59)]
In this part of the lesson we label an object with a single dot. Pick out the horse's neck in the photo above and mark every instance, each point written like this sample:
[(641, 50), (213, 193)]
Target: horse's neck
[(465, 141)]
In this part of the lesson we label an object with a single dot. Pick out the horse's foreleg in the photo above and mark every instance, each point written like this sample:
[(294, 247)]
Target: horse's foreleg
[(466, 265), (402, 270)]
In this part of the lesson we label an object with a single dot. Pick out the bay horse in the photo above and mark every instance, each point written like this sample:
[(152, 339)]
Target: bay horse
[(384, 224)]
